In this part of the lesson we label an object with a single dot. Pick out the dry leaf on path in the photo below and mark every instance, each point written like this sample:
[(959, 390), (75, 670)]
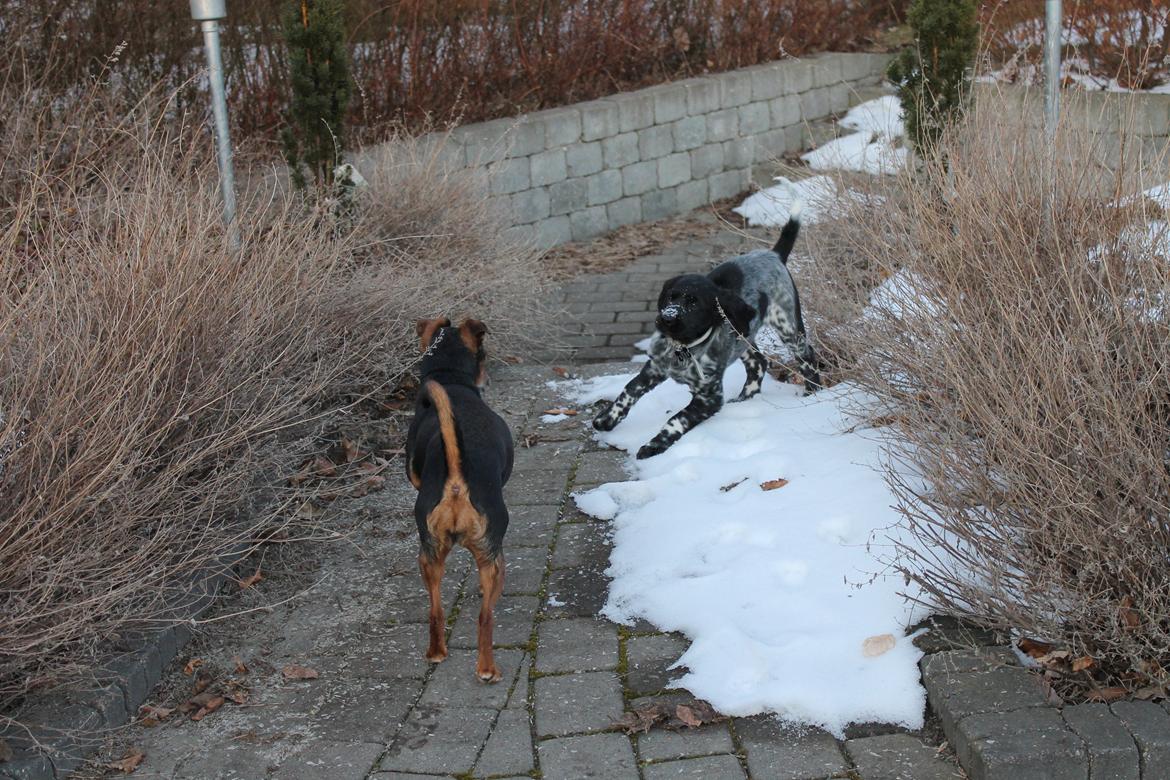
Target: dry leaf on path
[(151, 716), (773, 484), (192, 665), (127, 763), (1106, 694), (298, 672), (241, 667), (209, 706), (874, 646), (251, 579), (566, 412), (1034, 648)]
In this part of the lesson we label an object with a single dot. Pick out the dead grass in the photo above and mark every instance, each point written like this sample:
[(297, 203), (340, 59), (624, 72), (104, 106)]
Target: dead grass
[(147, 371), (1021, 372)]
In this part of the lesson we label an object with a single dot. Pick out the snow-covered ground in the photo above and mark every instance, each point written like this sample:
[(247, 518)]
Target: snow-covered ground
[(873, 147), (782, 591)]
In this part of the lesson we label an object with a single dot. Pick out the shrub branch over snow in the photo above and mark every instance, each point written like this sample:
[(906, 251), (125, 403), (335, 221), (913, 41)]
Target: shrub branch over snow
[(1019, 348)]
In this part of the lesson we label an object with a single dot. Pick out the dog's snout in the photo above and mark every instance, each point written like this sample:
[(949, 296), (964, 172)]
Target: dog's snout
[(669, 314)]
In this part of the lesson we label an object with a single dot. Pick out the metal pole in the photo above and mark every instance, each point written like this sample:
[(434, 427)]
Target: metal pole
[(1052, 21), (208, 13)]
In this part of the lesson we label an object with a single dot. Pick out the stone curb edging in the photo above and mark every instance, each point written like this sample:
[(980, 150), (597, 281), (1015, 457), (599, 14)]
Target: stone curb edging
[(1002, 727), (66, 726), (576, 172)]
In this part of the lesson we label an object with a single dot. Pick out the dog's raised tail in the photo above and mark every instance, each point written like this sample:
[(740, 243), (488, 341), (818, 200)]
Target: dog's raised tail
[(791, 227), (448, 430)]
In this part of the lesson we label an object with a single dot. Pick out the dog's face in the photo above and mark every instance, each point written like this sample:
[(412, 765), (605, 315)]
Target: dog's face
[(689, 305), (459, 349)]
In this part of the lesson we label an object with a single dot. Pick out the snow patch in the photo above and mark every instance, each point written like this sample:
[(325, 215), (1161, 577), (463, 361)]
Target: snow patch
[(816, 197), (777, 590)]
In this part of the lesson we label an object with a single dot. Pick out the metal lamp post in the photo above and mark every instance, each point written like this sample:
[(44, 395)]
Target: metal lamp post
[(208, 13), (1052, 16)]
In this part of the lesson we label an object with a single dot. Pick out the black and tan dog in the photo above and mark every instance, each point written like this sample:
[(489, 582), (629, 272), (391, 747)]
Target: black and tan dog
[(458, 456)]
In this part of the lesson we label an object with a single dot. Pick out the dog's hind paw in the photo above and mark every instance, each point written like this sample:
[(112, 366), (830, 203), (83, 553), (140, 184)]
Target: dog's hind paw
[(436, 656), (489, 675)]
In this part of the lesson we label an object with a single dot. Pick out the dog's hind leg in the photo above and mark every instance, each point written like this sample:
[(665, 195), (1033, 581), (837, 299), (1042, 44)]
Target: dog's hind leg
[(755, 364), (432, 564), (792, 332), (491, 584)]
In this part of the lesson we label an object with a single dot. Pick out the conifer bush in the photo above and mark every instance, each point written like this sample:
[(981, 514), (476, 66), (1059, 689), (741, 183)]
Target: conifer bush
[(933, 75), (314, 138)]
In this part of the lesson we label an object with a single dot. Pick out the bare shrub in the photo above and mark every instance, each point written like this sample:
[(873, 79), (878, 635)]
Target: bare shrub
[(1018, 349), (418, 61), (145, 367)]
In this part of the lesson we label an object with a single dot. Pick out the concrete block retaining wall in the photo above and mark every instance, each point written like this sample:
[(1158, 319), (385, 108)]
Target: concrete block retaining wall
[(573, 173)]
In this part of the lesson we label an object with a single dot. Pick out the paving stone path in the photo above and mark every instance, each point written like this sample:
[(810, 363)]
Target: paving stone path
[(378, 710)]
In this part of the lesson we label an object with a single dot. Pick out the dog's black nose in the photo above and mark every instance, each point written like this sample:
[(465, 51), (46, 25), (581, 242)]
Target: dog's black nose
[(668, 316)]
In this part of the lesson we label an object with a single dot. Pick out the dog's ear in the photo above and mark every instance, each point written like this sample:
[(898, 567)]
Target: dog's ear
[(738, 312), (426, 330), (472, 333), (667, 286)]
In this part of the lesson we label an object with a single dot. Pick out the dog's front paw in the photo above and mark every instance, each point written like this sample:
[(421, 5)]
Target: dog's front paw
[(606, 421), (655, 447)]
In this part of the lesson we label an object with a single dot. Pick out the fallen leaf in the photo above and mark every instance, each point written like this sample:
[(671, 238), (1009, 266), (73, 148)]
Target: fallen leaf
[(127, 763), (307, 511), (323, 467), (1106, 694), (251, 579), (298, 672), (560, 371), (732, 485), (192, 665), (566, 412), (1128, 614), (640, 719), (773, 484), (874, 646), (202, 681), (151, 716), (687, 716), (1150, 692), (1083, 663), (1034, 648), (240, 667), (350, 450), (239, 696), (5, 751), (210, 706)]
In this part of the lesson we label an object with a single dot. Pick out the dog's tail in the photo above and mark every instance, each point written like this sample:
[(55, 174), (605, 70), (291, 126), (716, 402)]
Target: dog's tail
[(791, 227), (449, 430)]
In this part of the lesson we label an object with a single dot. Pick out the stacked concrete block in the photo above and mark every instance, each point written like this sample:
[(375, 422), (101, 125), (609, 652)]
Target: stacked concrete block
[(572, 173)]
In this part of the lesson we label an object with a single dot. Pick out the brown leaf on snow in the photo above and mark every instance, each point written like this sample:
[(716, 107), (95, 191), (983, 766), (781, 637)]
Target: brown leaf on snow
[(1034, 648), (127, 763), (773, 484), (251, 579), (566, 412), (1106, 694), (874, 646), (192, 665), (298, 672)]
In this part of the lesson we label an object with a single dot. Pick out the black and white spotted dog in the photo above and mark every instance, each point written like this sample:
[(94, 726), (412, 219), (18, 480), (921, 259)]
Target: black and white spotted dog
[(706, 322)]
